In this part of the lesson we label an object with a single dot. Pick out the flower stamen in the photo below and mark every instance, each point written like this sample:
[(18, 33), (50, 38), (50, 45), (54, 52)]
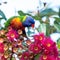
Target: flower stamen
[(35, 48), (40, 38), (44, 57)]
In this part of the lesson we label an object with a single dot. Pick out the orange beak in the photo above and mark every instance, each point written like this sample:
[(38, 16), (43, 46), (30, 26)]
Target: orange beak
[(32, 25)]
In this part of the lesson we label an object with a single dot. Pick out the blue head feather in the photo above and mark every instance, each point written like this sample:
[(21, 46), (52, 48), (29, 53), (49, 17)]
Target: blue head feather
[(28, 21)]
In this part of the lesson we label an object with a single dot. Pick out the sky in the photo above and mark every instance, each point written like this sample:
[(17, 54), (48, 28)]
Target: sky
[(11, 8)]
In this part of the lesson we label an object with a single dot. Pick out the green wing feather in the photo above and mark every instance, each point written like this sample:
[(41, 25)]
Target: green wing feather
[(9, 20)]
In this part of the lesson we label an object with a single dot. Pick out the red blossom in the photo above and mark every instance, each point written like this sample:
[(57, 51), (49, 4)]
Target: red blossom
[(58, 58), (35, 48), (50, 47), (3, 58), (1, 48), (47, 57), (25, 56), (39, 38), (12, 34), (48, 43), (53, 51)]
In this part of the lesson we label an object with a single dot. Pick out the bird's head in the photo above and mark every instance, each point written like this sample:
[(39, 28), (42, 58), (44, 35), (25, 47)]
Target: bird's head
[(28, 21)]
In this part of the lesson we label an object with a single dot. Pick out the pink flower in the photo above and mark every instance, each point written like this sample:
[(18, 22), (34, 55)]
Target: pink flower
[(47, 57), (12, 34), (25, 56), (35, 48), (50, 47), (48, 43), (3, 58), (36, 37), (9, 28), (39, 38), (1, 48), (58, 58), (54, 51)]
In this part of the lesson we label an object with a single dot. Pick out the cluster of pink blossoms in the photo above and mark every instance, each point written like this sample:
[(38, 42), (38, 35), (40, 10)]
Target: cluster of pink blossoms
[(12, 43), (42, 46)]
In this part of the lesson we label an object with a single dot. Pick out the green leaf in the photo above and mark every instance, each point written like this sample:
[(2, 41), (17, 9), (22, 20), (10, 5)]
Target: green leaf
[(37, 57), (48, 30), (59, 12), (13, 58), (36, 17), (48, 12), (1, 18), (21, 13), (58, 43), (57, 26), (42, 28), (2, 15), (57, 20)]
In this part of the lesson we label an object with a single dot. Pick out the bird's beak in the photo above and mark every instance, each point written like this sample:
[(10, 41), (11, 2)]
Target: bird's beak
[(32, 25)]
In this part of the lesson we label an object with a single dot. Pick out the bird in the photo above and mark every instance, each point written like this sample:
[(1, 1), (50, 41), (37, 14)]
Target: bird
[(20, 22), (28, 21)]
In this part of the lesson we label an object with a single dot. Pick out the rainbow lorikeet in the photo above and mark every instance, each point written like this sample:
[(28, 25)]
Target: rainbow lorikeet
[(19, 22)]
